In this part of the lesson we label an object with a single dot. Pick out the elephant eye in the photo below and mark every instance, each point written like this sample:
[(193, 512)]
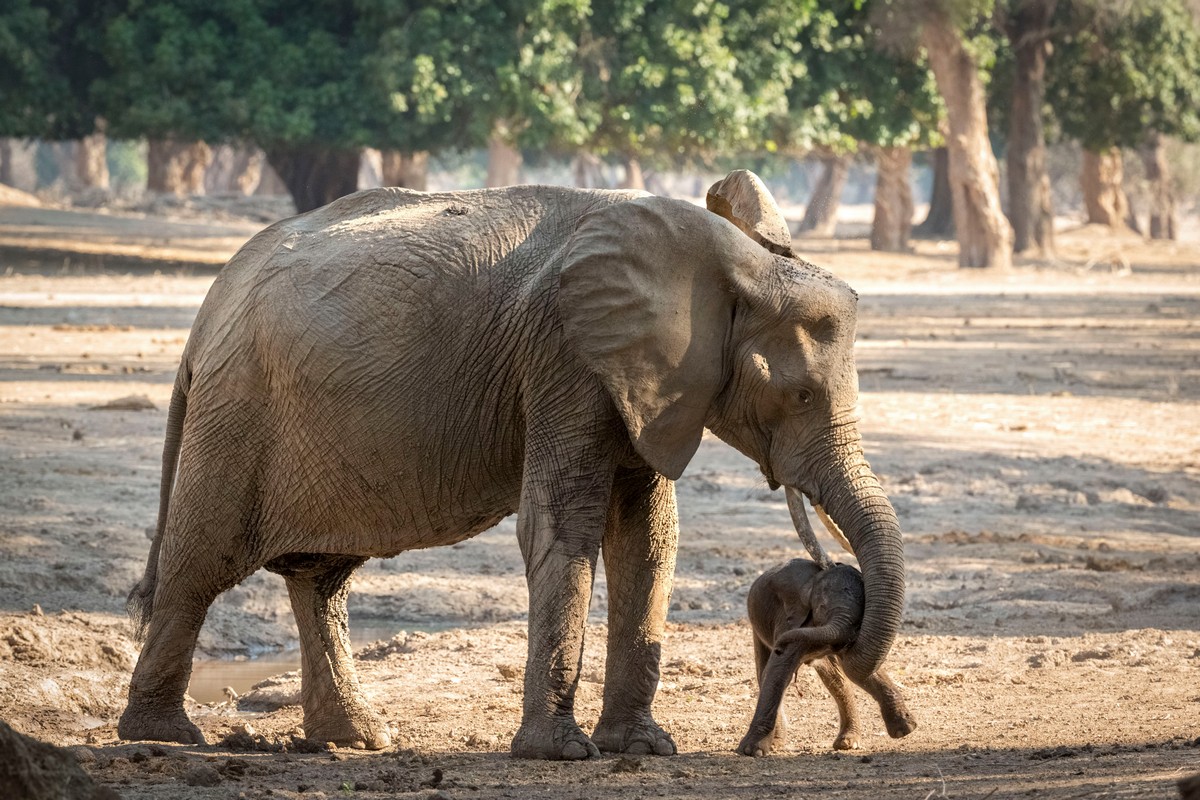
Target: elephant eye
[(806, 396)]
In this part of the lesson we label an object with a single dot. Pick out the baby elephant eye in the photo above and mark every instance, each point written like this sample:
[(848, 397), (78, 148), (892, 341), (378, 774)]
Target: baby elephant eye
[(806, 396)]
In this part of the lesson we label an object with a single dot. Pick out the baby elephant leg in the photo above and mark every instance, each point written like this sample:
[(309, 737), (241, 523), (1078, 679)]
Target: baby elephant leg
[(849, 737), (896, 716)]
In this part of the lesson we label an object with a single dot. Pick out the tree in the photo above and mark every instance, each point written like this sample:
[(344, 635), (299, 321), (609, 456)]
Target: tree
[(1124, 78), (678, 80), (945, 28), (49, 56), (1028, 25), (856, 94)]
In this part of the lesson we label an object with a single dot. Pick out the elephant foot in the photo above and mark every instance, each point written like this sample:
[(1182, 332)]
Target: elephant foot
[(553, 739), (754, 746), (900, 724), (359, 729), (643, 737), (138, 724), (847, 740)]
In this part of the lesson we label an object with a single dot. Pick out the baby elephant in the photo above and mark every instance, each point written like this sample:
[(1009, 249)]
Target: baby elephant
[(803, 614)]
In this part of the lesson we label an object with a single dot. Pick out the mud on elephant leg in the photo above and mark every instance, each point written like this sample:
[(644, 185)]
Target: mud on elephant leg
[(559, 527), (188, 581), (849, 736), (640, 543), (334, 707)]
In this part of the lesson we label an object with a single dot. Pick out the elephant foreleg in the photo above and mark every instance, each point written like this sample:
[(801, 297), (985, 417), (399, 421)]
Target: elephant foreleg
[(334, 707), (640, 542), (559, 527)]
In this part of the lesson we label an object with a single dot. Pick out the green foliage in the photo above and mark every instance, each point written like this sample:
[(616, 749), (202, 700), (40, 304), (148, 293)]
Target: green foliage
[(686, 78), (49, 54), (1117, 74), (853, 89)]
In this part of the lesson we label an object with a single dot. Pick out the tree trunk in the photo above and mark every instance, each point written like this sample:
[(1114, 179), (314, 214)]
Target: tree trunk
[(1158, 178), (633, 174), (18, 166), (820, 216), (939, 220), (270, 184), (1030, 209), (893, 200), (984, 235), (91, 159), (1103, 195), (504, 160), (315, 175), (177, 167), (408, 169), (234, 170)]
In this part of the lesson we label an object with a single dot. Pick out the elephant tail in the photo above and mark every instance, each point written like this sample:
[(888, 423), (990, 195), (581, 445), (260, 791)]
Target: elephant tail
[(140, 603)]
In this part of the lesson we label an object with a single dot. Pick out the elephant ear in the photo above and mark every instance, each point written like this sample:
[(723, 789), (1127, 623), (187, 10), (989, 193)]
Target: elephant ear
[(742, 198), (646, 293)]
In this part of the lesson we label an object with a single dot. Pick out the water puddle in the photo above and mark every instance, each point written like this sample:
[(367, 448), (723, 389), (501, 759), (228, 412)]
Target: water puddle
[(210, 676)]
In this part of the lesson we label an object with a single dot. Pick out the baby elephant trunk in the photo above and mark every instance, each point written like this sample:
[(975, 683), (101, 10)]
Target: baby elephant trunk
[(793, 648)]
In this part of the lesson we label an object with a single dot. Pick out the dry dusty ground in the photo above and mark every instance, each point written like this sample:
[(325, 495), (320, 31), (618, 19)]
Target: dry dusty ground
[(1038, 431)]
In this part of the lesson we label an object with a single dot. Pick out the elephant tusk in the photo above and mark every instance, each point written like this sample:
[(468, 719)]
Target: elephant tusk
[(833, 529), (795, 502)]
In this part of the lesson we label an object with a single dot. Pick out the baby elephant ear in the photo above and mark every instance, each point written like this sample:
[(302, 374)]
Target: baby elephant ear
[(646, 293), (743, 199)]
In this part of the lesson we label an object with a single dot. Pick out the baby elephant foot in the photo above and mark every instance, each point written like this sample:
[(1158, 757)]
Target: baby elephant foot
[(643, 737), (900, 724), (141, 724), (360, 729), (847, 740), (554, 739), (757, 744)]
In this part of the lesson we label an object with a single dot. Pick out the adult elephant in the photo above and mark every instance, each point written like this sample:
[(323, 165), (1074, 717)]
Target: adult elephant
[(400, 370)]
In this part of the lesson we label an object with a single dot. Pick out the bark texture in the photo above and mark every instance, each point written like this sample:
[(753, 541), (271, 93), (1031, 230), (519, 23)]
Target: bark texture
[(820, 216), (985, 238), (235, 169), (1103, 190), (408, 169), (892, 226), (177, 168), (1030, 209), (1158, 184), (314, 175), (17, 163), (91, 159), (504, 161), (939, 220)]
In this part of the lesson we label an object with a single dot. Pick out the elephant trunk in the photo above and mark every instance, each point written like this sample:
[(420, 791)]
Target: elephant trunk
[(856, 502)]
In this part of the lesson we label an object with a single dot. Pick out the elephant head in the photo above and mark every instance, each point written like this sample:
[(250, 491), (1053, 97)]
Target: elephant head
[(692, 321)]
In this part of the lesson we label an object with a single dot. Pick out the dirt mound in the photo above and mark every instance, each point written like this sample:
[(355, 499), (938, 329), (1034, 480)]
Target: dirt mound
[(35, 770), (38, 640), (15, 197)]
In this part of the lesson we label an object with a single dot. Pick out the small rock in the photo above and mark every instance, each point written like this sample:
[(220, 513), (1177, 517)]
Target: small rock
[(77, 435), (202, 775), (133, 402), (37, 611), (510, 672)]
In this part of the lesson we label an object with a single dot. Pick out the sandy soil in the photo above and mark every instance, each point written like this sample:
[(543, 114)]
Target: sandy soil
[(1038, 431)]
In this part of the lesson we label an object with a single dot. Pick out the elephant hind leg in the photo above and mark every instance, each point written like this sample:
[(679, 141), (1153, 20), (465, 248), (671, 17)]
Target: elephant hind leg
[(189, 579), (334, 707), (849, 737)]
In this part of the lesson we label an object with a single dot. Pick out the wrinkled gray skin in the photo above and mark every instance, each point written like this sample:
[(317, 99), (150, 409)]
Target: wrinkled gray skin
[(804, 614), (401, 370)]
